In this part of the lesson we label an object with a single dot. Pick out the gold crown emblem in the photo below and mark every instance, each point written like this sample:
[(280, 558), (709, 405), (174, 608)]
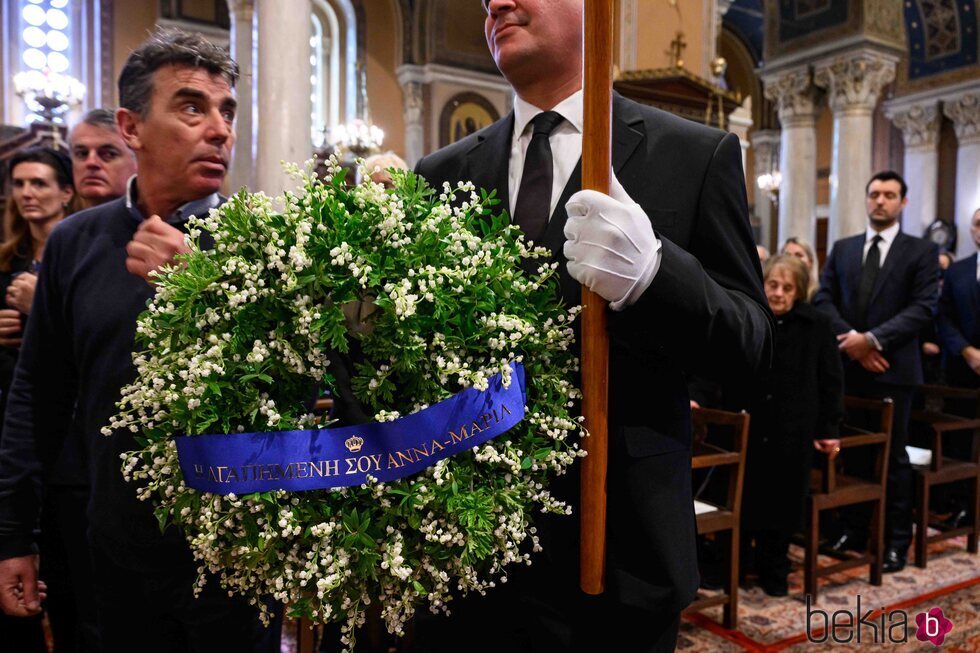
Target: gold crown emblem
[(354, 443)]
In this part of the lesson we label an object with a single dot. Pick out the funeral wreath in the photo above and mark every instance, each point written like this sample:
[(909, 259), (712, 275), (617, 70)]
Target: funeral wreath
[(419, 294)]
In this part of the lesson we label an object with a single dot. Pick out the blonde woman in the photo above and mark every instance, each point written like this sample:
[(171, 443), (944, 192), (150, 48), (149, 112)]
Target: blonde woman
[(804, 251)]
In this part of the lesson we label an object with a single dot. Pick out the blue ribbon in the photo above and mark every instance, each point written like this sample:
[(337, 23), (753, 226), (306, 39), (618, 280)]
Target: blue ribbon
[(242, 463)]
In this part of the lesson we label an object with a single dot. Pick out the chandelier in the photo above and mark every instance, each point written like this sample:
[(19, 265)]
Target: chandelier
[(48, 94), (359, 137), (769, 184)]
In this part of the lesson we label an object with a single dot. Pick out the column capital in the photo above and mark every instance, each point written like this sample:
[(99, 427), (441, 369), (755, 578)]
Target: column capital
[(964, 111), (855, 79), (919, 124), (764, 137), (793, 93)]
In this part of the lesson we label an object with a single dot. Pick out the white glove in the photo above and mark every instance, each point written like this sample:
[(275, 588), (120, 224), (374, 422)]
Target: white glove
[(610, 247)]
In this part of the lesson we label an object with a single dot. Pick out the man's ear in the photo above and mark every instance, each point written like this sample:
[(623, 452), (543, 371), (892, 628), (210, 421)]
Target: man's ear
[(130, 124)]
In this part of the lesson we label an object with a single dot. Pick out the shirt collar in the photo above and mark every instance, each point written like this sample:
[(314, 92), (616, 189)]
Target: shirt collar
[(570, 109), (888, 235), (184, 211)]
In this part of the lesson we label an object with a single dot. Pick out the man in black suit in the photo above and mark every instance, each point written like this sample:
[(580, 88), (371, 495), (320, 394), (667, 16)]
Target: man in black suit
[(959, 333), (672, 252), (880, 289), (959, 317)]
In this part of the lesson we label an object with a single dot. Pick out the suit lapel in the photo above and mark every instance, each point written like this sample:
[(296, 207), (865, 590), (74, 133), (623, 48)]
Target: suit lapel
[(625, 139), (852, 260), (970, 281), (895, 254), (488, 161)]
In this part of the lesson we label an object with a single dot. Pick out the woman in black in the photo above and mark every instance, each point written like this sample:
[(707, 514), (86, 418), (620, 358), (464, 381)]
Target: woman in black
[(799, 409), (41, 194)]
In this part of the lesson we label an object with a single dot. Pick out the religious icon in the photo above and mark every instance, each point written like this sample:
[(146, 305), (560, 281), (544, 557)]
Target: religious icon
[(463, 115)]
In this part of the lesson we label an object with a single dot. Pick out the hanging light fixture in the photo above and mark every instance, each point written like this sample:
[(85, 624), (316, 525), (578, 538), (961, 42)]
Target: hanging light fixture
[(769, 181), (47, 94)]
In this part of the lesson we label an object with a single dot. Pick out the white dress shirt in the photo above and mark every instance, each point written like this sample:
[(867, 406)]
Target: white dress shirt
[(566, 145), (885, 244)]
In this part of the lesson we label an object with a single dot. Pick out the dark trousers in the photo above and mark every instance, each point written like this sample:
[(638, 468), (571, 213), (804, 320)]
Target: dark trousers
[(900, 490), (530, 615), (770, 554), (154, 610), (22, 634), (66, 567)]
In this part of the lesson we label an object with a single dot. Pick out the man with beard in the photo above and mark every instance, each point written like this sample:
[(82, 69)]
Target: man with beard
[(880, 289), (671, 251)]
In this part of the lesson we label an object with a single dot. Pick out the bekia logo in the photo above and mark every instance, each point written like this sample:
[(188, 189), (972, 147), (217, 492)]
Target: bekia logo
[(874, 627), (933, 626)]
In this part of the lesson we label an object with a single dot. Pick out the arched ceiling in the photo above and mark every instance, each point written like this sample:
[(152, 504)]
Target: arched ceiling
[(941, 34)]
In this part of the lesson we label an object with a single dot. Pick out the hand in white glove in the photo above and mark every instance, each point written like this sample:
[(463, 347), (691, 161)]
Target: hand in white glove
[(610, 247)]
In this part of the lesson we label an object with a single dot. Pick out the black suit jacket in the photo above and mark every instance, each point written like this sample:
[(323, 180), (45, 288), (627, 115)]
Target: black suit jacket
[(903, 301), (959, 318), (704, 312)]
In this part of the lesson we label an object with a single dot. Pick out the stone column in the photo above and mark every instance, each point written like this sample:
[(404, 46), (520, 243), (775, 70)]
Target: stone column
[(284, 88), (739, 123), (795, 99), (964, 111), (853, 82), (920, 131), (628, 31), (765, 151), (242, 45), (411, 78)]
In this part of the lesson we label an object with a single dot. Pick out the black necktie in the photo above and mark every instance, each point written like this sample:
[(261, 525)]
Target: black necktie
[(869, 273), (533, 207)]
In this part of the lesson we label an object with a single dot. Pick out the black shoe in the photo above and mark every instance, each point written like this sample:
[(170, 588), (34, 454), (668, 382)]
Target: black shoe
[(958, 519), (894, 561), (775, 586), (848, 541)]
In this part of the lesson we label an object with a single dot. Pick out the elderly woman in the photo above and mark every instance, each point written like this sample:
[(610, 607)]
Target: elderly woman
[(804, 251), (799, 409)]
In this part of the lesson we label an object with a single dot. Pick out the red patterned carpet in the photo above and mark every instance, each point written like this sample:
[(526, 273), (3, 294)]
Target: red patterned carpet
[(951, 582)]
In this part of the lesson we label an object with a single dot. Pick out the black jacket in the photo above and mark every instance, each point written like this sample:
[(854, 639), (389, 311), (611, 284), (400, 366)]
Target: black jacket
[(704, 312), (802, 400), (959, 319), (902, 302), (75, 358)]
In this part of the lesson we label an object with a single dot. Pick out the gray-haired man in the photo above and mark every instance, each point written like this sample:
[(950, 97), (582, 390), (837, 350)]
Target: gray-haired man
[(177, 116), (101, 162)]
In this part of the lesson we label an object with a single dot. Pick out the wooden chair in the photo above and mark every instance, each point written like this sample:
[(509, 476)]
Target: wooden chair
[(935, 422), (830, 489), (723, 518)]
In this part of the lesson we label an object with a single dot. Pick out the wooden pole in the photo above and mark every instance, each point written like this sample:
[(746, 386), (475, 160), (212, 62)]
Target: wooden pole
[(596, 165)]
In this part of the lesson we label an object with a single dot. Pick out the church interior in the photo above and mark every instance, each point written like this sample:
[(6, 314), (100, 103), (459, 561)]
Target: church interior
[(820, 93)]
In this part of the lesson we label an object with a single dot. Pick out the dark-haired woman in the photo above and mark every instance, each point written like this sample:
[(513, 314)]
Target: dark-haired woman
[(41, 194)]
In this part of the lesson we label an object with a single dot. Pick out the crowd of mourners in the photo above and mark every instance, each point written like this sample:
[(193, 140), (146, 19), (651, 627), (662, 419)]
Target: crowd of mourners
[(884, 306), (888, 313)]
